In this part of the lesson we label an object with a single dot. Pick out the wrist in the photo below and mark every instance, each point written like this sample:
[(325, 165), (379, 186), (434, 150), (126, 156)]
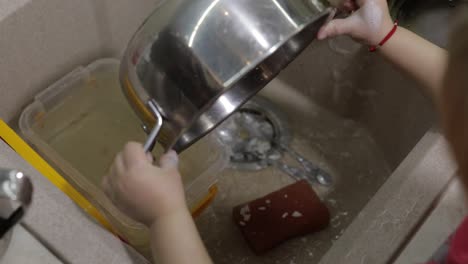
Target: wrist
[(386, 27), (390, 34), (172, 216)]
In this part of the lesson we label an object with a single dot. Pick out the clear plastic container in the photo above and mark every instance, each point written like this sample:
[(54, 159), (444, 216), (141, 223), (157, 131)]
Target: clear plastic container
[(81, 122)]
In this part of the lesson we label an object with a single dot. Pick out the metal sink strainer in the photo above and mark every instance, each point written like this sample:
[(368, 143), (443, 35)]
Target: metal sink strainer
[(257, 137)]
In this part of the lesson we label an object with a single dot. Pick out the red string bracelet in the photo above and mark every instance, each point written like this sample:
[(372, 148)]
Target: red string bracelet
[(389, 35)]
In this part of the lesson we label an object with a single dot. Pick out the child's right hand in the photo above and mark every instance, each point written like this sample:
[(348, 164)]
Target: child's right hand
[(369, 23), (154, 195), (142, 190)]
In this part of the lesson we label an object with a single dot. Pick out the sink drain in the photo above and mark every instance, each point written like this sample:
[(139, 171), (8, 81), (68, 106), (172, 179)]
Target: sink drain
[(257, 136), (251, 133)]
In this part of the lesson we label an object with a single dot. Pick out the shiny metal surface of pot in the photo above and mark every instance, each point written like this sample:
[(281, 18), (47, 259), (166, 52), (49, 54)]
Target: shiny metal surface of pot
[(195, 62)]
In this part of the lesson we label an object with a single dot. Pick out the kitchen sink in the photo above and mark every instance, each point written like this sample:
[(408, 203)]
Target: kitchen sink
[(354, 127), (373, 129), (347, 111)]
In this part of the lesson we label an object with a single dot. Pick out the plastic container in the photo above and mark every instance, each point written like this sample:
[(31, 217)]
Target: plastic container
[(81, 122)]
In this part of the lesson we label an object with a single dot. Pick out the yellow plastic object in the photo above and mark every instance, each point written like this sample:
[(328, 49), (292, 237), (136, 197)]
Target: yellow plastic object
[(200, 207), (28, 154)]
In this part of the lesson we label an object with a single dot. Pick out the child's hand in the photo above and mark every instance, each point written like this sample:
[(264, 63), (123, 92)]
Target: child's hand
[(143, 191), (369, 24)]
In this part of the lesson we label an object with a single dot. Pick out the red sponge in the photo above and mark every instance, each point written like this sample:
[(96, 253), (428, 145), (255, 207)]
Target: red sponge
[(290, 212)]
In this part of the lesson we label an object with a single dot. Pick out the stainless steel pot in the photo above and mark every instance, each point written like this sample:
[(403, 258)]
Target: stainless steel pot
[(194, 62)]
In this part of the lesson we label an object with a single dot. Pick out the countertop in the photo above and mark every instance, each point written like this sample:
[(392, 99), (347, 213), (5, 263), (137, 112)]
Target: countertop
[(26, 249)]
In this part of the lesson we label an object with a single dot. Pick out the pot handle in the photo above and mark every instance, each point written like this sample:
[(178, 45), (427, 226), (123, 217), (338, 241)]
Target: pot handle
[(151, 140)]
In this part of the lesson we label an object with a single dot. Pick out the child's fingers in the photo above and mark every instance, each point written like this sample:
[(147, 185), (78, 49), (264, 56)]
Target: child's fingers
[(134, 154), (108, 187), (150, 157), (349, 5), (170, 160), (335, 27)]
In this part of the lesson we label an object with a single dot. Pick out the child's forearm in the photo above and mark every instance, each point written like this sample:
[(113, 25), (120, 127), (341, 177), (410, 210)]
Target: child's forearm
[(175, 239), (420, 58)]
